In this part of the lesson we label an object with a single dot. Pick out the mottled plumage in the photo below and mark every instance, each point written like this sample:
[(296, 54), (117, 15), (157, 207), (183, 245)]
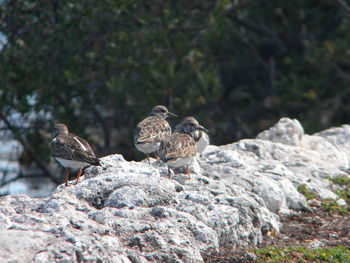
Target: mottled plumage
[(71, 150), (152, 130), (201, 137), (179, 149)]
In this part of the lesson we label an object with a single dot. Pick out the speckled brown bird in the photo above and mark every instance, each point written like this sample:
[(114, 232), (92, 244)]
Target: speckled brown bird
[(179, 149), (71, 151), (201, 137), (152, 130)]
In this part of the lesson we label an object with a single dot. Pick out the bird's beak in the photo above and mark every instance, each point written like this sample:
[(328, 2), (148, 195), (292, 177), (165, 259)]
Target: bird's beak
[(170, 114), (201, 128)]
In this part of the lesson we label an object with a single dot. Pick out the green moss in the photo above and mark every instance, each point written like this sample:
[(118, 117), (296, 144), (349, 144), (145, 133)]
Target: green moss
[(343, 186), (340, 180), (338, 254), (331, 206), (343, 193), (309, 194), (342, 189)]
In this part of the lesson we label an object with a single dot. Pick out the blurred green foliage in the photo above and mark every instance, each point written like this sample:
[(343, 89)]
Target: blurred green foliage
[(238, 66)]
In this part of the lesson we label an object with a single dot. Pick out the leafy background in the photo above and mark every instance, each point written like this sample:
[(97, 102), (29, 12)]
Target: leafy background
[(237, 66)]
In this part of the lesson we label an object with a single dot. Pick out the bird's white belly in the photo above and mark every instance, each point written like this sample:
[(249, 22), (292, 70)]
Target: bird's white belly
[(202, 143), (180, 162), (71, 163), (148, 147)]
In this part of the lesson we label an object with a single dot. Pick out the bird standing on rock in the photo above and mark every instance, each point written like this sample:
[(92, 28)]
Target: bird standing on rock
[(179, 149), (201, 137), (71, 151), (152, 130)]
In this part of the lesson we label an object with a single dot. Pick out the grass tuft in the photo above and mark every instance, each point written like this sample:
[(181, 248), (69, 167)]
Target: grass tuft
[(342, 184), (338, 254), (331, 206), (308, 193)]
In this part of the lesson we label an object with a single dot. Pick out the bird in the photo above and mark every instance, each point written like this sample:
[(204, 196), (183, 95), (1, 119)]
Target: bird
[(152, 130), (71, 151), (201, 137), (179, 149)]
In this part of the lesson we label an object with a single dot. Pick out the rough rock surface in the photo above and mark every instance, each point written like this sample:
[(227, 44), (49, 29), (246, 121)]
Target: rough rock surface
[(132, 212)]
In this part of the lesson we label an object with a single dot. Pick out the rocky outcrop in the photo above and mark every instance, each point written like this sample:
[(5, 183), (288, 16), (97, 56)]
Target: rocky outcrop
[(132, 212)]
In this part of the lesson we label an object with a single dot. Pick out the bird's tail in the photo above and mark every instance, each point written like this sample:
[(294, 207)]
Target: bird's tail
[(94, 161)]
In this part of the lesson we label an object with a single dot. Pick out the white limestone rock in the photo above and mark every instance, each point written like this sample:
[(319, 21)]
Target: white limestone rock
[(132, 212), (290, 132), (338, 136), (286, 131), (341, 202)]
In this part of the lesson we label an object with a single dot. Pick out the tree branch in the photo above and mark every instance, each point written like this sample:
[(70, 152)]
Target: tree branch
[(345, 6), (25, 145)]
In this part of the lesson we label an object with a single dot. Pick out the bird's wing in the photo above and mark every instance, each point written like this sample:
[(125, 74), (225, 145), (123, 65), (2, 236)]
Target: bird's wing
[(151, 129), (72, 147), (176, 146), (85, 146)]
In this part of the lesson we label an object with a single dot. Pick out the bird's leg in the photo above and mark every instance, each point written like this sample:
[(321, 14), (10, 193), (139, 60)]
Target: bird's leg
[(157, 157), (169, 172), (78, 176), (188, 172), (147, 155), (67, 177), (84, 169)]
